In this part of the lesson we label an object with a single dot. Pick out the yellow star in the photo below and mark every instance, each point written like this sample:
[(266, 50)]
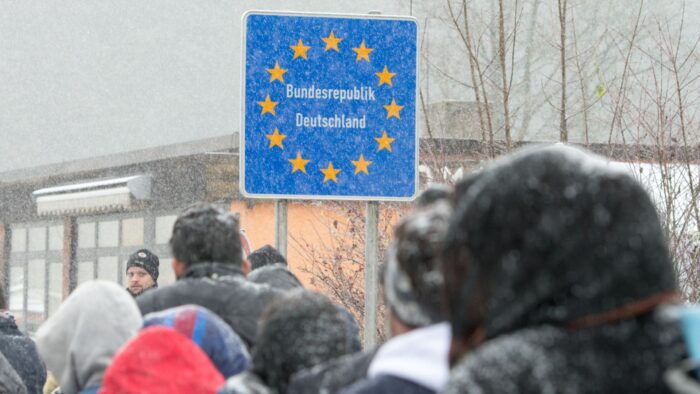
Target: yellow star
[(393, 110), (330, 173), (299, 164), (385, 77), (362, 52), (268, 106), (276, 74), (331, 42), (384, 142), (361, 165), (300, 50), (276, 139)]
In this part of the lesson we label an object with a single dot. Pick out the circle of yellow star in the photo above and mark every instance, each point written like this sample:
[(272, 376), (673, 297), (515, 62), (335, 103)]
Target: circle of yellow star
[(393, 109), (268, 106), (362, 52), (384, 142), (331, 42), (299, 164), (300, 50), (276, 139), (329, 173), (276, 73), (361, 165), (385, 77)]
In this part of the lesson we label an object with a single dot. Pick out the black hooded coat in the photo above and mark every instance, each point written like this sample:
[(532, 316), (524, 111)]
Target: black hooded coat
[(557, 274)]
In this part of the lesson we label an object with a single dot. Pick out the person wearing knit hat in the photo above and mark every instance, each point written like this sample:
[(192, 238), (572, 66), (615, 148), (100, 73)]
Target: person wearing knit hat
[(142, 272)]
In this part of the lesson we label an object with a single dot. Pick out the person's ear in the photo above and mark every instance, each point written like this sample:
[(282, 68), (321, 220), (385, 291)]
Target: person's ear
[(179, 268), (246, 267)]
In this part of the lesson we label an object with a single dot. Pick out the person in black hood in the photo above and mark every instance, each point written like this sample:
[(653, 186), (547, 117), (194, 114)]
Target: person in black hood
[(265, 256), (20, 351), (210, 272), (298, 331), (557, 275)]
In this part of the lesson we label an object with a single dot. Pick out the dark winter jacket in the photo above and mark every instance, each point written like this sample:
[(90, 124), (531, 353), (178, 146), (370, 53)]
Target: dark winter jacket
[(332, 376), (557, 272), (10, 382), (222, 289), (22, 354)]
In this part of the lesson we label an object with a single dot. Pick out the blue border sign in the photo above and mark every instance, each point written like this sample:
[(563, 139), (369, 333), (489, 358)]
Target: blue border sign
[(329, 107)]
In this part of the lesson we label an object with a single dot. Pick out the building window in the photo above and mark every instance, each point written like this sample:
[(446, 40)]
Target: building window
[(16, 303), (37, 239), (86, 271), (86, 235), (166, 275), (19, 239), (56, 238), (132, 232), (164, 228), (36, 300), (55, 290), (108, 234), (108, 268), (33, 246)]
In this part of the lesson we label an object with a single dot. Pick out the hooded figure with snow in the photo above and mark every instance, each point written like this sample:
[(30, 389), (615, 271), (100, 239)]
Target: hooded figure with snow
[(557, 274), (79, 340), (297, 331)]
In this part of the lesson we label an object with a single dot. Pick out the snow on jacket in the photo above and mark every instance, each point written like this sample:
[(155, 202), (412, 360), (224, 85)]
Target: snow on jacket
[(557, 273), (277, 276), (208, 331), (222, 289), (20, 351), (79, 340), (10, 382), (161, 360)]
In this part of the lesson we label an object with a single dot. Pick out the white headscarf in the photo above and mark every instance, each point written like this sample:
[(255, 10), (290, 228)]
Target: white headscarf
[(79, 341)]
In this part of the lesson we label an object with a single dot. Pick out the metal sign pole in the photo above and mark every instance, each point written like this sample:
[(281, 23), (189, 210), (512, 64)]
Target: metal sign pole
[(281, 226), (371, 283)]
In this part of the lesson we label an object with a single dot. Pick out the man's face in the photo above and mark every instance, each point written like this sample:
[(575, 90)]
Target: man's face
[(138, 279)]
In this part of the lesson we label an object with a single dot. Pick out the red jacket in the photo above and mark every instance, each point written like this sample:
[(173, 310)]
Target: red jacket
[(161, 360)]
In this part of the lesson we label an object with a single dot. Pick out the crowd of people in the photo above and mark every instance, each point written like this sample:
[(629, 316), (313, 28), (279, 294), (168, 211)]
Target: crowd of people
[(544, 272)]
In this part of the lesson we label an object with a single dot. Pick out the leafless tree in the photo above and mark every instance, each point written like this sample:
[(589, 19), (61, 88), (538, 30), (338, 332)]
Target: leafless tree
[(336, 268)]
